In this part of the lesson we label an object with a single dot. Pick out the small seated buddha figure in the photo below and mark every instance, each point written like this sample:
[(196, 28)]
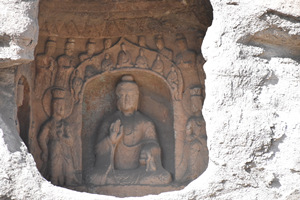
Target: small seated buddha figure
[(128, 153)]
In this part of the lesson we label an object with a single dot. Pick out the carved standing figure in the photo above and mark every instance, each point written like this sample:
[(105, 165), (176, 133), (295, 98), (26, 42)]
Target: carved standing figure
[(160, 44), (45, 69), (66, 65), (91, 48), (124, 57), (56, 142), (129, 153), (186, 61), (141, 60), (195, 149)]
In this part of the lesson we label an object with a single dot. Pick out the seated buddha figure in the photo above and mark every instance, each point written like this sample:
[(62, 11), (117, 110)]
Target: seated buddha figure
[(129, 153)]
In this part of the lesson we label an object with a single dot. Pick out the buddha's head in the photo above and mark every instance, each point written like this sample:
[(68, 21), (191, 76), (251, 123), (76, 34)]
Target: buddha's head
[(91, 47), (50, 48), (181, 42), (69, 48), (159, 42), (58, 104), (127, 92)]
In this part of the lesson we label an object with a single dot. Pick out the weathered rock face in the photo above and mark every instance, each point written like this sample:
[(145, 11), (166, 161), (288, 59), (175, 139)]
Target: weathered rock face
[(251, 111), (18, 31)]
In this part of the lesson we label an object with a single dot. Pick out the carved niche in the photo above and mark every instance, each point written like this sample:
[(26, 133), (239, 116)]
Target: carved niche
[(117, 114)]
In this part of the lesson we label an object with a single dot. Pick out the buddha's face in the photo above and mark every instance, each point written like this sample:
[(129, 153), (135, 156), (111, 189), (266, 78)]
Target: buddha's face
[(58, 108), (128, 98), (196, 104), (69, 50)]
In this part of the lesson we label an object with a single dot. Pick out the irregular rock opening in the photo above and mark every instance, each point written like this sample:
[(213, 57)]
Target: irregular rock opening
[(118, 89), (23, 103)]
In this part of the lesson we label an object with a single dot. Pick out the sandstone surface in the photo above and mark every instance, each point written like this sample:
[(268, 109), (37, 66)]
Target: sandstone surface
[(251, 108)]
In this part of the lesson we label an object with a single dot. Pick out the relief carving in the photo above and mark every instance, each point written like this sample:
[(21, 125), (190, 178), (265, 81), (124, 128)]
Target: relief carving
[(124, 57), (130, 153), (142, 41), (91, 47), (45, 68), (77, 83), (195, 147), (186, 60), (141, 60), (160, 44), (66, 65), (174, 82), (56, 141), (128, 142), (107, 44), (158, 65), (107, 63)]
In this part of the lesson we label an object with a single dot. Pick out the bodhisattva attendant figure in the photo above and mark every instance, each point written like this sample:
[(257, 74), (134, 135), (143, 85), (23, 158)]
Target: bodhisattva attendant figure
[(66, 65), (160, 44), (195, 149), (186, 61), (91, 48), (128, 152), (45, 69), (124, 57), (57, 144)]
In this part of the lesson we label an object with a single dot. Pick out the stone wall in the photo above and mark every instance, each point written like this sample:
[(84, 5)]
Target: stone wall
[(251, 107)]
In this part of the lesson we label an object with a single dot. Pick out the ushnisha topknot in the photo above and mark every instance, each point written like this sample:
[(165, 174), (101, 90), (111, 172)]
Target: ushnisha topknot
[(127, 82), (127, 78)]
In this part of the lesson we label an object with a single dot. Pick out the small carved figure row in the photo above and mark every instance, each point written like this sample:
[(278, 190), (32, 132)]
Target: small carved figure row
[(57, 72)]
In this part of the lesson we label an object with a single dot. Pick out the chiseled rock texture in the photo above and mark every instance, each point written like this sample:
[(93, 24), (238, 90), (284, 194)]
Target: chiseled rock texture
[(252, 107)]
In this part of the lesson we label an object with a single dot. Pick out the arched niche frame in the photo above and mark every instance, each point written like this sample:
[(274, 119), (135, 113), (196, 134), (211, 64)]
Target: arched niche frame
[(159, 100)]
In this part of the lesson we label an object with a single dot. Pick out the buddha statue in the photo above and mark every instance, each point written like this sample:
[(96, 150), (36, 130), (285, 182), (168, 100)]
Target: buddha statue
[(128, 153)]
